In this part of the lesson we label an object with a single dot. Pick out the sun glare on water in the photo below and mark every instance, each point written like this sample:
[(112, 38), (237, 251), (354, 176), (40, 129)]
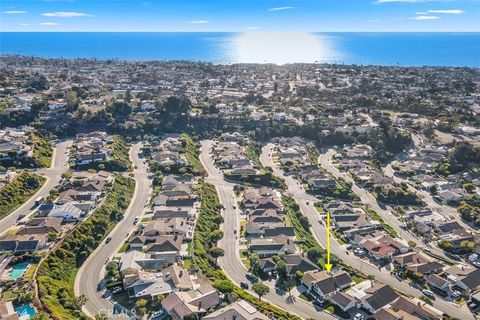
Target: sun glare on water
[(282, 48)]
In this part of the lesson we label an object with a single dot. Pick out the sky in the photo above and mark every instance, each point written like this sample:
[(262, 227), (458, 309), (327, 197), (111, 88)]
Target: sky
[(241, 15)]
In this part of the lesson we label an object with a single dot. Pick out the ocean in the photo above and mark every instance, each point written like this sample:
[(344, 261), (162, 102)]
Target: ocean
[(403, 49)]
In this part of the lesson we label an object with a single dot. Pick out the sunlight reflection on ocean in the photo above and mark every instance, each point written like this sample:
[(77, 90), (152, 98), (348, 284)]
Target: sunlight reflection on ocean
[(282, 48)]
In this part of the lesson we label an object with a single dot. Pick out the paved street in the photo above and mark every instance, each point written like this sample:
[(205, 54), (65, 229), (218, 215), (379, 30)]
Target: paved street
[(231, 262), (319, 232), (53, 176), (447, 211), (92, 270)]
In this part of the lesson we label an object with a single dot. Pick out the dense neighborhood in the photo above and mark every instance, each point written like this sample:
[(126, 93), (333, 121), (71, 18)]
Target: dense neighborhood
[(182, 190)]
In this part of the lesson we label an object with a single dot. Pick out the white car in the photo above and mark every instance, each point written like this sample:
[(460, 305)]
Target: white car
[(156, 314), (358, 316), (428, 293), (476, 263), (456, 294), (116, 290)]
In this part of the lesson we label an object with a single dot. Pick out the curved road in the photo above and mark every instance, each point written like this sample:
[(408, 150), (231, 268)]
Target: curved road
[(53, 176), (445, 210), (319, 232), (91, 272), (231, 262)]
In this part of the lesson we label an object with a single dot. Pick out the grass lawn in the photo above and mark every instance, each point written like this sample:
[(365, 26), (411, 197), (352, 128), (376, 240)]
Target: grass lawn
[(243, 256), (145, 219), (305, 296), (357, 279), (30, 272), (337, 311), (243, 224), (124, 247), (287, 221)]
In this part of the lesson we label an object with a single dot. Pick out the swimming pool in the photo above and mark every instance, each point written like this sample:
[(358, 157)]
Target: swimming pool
[(18, 270), (26, 311)]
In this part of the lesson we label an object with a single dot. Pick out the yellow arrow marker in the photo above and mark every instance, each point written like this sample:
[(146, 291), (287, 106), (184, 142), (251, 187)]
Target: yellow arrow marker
[(328, 265)]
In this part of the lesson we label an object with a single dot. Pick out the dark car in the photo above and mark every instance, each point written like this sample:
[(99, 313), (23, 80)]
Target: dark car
[(251, 277), (108, 240), (244, 285)]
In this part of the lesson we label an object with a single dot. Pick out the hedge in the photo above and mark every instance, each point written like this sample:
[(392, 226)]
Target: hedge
[(205, 238), (56, 274), (15, 193)]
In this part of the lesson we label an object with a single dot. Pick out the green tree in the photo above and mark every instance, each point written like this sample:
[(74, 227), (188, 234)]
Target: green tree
[(260, 289), (468, 246), (81, 300), (71, 101), (141, 306), (217, 252), (254, 260), (224, 286), (445, 245), (42, 315), (281, 268), (314, 253)]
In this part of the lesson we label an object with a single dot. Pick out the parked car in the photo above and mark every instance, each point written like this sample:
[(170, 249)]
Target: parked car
[(136, 219), (476, 263), (116, 290), (108, 240), (244, 285), (39, 201), (250, 276), (358, 316), (456, 294), (428, 293), (359, 251), (156, 314)]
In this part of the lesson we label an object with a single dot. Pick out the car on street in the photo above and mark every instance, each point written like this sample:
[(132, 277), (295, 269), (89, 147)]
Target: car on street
[(136, 219), (250, 276), (428, 293), (476, 263), (108, 240), (244, 285)]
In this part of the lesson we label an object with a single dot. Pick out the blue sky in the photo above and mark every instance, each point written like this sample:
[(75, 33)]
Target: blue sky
[(240, 15)]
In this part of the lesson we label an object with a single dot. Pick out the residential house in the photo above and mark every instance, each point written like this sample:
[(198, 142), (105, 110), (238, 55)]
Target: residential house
[(381, 246), (198, 301), (465, 277), (272, 246), (239, 310), (322, 284)]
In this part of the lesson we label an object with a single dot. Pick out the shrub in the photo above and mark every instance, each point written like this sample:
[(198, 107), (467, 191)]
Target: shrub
[(56, 274)]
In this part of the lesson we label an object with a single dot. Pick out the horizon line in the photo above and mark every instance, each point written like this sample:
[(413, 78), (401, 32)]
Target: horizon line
[(248, 31)]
